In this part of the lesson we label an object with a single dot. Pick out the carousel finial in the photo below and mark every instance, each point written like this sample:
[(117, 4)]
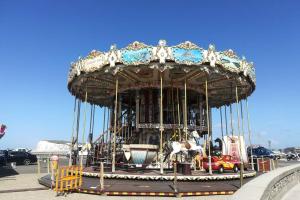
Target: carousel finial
[(113, 47), (162, 43), (211, 47)]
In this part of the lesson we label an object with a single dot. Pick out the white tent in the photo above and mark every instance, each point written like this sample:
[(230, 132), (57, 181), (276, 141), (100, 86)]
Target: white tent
[(52, 147)]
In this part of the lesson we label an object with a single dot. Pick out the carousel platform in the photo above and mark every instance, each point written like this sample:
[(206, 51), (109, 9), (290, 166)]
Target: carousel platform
[(148, 174), (150, 183)]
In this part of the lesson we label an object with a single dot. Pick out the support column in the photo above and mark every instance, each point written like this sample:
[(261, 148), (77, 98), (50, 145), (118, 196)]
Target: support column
[(74, 160), (210, 122), (226, 128), (119, 112), (113, 167), (183, 114), (178, 115), (242, 119), (72, 137), (249, 134), (185, 129), (239, 131), (142, 107), (208, 128), (137, 109), (150, 106), (83, 132), (161, 128), (90, 136), (200, 112), (231, 120)]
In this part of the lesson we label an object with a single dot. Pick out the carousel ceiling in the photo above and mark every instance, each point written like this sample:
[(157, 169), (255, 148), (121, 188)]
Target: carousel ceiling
[(140, 66)]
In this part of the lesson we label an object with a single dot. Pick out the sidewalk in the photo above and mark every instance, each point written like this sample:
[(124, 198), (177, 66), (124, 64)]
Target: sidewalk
[(20, 181), (293, 193)]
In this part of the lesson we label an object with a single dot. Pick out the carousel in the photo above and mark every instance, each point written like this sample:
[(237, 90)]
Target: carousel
[(157, 104)]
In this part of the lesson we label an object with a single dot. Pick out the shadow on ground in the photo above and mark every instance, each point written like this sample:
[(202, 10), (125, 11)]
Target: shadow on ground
[(7, 171)]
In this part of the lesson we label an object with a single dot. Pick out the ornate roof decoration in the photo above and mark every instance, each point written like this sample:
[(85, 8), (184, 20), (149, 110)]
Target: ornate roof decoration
[(187, 53), (139, 54)]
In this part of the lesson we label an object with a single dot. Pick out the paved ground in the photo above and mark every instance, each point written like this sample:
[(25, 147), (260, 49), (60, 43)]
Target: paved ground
[(293, 193)]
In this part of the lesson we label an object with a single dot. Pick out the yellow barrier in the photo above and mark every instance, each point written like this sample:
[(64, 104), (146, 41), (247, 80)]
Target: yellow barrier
[(68, 178)]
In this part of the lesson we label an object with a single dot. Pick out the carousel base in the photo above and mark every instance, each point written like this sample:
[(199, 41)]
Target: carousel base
[(148, 174), (147, 185)]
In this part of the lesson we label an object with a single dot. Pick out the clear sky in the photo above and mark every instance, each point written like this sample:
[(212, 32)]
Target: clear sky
[(39, 39)]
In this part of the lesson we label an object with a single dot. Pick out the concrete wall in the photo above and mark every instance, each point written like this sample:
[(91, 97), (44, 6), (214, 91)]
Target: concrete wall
[(270, 186)]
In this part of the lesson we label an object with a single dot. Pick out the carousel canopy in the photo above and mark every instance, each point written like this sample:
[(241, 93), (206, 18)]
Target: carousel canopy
[(139, 66)]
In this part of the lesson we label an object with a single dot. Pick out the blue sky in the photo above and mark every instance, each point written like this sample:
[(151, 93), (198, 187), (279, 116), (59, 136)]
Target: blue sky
[(39, 39)]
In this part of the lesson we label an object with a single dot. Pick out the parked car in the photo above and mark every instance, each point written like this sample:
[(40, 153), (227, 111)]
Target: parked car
[(222, 163), (292, 156), (259, 152), (23, 150), (279, 154), (20, 157), (3, 157)]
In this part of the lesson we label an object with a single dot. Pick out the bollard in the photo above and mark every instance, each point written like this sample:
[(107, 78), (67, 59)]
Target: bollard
[(54, 170), (175, 177), (101, 176), (273, 164)]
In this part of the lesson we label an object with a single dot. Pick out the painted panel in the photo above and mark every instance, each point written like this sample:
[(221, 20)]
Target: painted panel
[(231, 61), (192, 56), (135, 57)]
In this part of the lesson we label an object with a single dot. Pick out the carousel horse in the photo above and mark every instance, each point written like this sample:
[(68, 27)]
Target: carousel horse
[(191, 145)]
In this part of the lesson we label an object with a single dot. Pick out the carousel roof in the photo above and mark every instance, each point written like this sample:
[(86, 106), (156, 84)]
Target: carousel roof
[(138, 66)]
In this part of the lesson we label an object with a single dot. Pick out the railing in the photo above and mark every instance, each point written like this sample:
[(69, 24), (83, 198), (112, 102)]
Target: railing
[(68, 178)]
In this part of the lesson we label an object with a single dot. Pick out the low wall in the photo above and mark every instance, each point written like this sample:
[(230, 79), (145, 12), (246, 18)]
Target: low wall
[(270, 186)]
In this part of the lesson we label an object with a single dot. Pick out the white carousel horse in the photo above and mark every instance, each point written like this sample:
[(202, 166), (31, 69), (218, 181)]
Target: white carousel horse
[(86, 147), (186, 146)]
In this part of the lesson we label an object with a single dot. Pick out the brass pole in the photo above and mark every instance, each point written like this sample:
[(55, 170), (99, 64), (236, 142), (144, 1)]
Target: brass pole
[(249, 134), (72, 137), (113, 167), (231, 120), (185, 111), (239, 131), (226, 128), (108, 132), (104, 114), (242, 118), (102, 140), (200, 112), (208, 127), (173, 109), (178, 112), (161, 129), (221, 116), (77, 132), (84, 124)]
